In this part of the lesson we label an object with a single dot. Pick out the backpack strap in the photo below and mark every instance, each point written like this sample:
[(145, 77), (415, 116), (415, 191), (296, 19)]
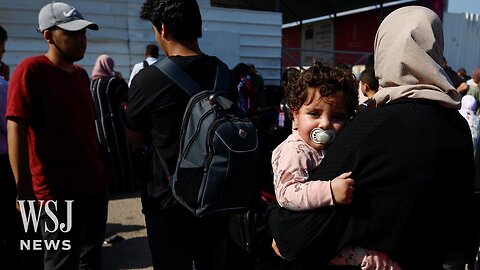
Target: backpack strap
[(182, 79), (145, 64)]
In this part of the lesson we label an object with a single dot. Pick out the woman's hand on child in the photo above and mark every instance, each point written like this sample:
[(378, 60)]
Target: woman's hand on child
[(275, 248), (342, 188)]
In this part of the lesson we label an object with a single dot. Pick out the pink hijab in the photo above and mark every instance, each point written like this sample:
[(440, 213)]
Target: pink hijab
[(103, 67)]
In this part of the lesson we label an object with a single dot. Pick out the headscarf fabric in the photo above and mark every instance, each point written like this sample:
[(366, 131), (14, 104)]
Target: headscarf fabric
[(469, 102), (408, 58), (103, 67)]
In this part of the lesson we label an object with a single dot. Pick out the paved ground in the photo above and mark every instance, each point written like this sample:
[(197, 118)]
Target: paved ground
[(128, 246)]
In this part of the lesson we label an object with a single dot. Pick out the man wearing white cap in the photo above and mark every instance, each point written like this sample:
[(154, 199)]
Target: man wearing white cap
[(53, 148)]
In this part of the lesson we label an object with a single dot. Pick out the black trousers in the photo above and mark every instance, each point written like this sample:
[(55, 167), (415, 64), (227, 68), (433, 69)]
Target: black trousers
[(178, 240)]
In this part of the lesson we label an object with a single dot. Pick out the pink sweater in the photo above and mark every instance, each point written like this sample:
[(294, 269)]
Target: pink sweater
[(292, 161)]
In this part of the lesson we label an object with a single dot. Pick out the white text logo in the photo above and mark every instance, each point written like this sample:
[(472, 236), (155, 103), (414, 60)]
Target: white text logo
[(33, 218)]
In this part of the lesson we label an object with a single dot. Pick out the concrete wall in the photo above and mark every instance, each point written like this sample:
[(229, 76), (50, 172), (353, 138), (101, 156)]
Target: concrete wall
[(462, 36), (233, 35)]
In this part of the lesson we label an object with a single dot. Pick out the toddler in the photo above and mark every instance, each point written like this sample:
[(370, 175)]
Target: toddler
[(320, 102)]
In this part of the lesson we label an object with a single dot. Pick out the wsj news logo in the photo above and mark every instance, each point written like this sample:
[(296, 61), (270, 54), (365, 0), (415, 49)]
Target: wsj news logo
[(32, 218)]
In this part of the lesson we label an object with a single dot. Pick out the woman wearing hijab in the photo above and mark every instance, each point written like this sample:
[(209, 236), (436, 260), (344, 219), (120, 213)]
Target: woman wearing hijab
[(109, 92), (411, 159)]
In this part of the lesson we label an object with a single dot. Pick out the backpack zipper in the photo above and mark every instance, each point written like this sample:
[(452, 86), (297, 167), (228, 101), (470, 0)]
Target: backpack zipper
[(209, 147), (195, 134), (194, 99)]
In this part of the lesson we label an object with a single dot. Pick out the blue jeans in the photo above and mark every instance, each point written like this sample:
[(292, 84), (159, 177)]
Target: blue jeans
[(177, 239), (89, 218)]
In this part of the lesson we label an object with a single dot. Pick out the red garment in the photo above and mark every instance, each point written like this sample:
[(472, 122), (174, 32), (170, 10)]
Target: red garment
[(63, 146)]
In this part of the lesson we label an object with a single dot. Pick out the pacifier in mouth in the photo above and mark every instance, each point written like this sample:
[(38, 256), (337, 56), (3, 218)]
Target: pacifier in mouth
[(320, 136)]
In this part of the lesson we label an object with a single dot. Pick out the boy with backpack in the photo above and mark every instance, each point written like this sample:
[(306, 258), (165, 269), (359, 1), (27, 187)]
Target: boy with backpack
[(157, 105)]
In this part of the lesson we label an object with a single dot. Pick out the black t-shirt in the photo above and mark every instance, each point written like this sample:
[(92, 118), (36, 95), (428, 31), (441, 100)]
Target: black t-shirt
[(156, 106)]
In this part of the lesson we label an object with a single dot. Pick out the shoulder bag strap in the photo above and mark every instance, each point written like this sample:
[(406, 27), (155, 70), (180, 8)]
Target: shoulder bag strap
[(178, 76), (182, 79)]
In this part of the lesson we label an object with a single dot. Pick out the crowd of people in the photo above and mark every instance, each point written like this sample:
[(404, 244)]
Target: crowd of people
[(385, 184)]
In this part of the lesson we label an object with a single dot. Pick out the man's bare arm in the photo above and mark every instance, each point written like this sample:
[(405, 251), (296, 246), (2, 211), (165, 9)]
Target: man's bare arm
[(463, 88), (18, 153)]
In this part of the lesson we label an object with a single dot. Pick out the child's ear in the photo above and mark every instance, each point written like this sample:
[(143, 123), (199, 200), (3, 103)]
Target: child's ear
[(294, 120), (294, 125)]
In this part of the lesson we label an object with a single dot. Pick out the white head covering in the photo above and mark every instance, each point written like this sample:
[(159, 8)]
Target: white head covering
[(408, 57), (469, 102)]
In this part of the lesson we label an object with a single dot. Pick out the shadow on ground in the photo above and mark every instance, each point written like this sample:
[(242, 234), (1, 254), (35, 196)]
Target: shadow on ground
[(126, 245), (114, 228), (127, 254)]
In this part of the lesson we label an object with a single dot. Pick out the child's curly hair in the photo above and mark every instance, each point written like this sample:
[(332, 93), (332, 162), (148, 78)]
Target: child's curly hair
[(326, 79)]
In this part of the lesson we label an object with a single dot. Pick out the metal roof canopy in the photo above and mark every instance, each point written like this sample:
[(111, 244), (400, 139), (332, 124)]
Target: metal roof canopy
[(298, 10)]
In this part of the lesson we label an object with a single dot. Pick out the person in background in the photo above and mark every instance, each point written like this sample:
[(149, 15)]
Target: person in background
[(462, 73), (458, 82), (151, 56), (110, 94), (258, 86), (468, 111), (368, 84), (4, 68), (473, 86), (243, 91), (470, 81), (52, 141), (289, 76), (8, 248), (104, 68)]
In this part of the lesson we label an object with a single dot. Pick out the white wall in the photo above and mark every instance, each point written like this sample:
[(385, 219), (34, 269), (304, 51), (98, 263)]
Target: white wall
[(237, 35), (462, 36), (233, 35), (204, 3), (321, 40), (121, 32), (463, 6)]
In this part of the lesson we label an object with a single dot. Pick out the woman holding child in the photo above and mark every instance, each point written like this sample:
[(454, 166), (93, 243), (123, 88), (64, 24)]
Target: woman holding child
[(411, 162)]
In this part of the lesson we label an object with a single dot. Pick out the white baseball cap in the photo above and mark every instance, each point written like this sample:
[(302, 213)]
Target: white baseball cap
[(64, 16)]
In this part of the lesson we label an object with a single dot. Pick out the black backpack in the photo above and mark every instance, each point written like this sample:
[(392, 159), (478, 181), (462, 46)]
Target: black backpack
[(107, 93), (215, 170)]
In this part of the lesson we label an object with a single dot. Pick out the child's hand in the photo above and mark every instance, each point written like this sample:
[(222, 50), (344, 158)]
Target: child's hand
[(342, 188), (367, 259), (374, 260)]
